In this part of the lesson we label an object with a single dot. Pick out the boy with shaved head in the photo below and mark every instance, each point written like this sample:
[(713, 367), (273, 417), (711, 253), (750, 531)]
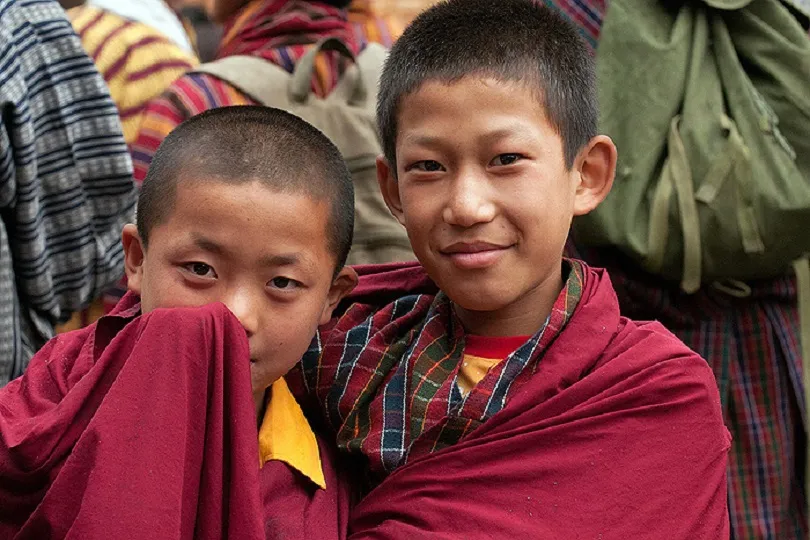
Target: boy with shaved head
[(170, 417)]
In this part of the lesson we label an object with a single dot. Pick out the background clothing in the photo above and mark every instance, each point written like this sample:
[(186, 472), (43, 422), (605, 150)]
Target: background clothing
[(153, 13), (751, 344), (280, 31), (66, 187), (137, 61)]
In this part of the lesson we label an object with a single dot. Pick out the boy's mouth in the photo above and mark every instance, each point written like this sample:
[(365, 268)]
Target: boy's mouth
[(474, 255)]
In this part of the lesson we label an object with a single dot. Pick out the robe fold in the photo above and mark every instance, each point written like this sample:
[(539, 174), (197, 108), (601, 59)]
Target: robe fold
[(145, 427), (616, 434)]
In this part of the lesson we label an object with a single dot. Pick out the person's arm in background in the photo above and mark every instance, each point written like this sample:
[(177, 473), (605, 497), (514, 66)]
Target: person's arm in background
[(66, 185)]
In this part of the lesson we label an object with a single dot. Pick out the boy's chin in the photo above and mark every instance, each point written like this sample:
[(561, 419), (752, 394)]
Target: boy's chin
[(260, 378), (482, 302)]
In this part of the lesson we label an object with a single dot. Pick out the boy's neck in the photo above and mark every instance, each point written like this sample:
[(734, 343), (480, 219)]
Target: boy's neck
[(523, 317), (260, 400)]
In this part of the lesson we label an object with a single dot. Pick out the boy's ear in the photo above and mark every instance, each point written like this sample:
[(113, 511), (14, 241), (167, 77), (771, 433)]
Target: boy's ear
[(342, 285), (390, 188), (134, 252), (596, 165)]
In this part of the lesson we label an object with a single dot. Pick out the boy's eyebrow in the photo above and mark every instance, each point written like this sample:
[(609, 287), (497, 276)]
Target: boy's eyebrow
[(503, 133), (423, 140), (494, 135), (208, 245), (282, 259), (286, 259)]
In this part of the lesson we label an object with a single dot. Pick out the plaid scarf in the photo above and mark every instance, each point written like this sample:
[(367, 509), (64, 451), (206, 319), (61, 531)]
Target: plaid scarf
[(386, 378), (282, 31)]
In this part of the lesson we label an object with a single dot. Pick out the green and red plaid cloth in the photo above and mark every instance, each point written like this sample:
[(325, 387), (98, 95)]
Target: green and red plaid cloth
[(386, 379)]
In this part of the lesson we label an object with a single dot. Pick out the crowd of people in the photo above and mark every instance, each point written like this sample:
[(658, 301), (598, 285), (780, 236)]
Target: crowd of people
[(303, 269)]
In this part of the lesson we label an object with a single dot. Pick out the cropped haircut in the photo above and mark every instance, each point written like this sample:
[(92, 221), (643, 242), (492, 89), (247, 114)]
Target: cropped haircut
[(508, 40), (243, 144)]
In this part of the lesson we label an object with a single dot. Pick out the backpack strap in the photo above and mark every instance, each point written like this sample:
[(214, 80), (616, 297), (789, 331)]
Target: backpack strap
[(273, 86), (301, 83), (676, 177)]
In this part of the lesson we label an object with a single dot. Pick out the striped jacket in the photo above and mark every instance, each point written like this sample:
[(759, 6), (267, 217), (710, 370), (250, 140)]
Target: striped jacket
[(66, 185)]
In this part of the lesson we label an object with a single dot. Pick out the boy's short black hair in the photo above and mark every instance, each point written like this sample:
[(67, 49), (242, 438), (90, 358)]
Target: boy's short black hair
[(509, 40), (247, 143)]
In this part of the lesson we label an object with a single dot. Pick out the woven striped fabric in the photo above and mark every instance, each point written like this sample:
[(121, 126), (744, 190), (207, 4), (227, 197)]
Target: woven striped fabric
[(752, 345), (587, 15), (137, 61), (66, 185), (386, 378)]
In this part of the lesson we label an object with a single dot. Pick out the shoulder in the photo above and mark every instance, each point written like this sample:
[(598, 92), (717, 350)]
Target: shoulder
[(655, 367)]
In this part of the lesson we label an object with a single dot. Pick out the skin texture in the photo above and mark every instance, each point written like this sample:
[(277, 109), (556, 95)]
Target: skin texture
[(246, 246), (482, 188), (221, 10)]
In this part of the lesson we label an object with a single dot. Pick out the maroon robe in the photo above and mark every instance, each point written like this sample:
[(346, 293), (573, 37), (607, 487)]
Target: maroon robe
[(144, 427), (617, 435)]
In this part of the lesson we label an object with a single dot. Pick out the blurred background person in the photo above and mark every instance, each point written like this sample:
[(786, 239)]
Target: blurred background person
[(136, 57), (155, 13), (204, 33), (279, 31), (66, 185), (750, 333)]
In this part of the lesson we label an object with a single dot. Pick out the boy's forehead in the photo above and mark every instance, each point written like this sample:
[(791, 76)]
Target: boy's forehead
[(478, 84), (243, 218), (504, 107)]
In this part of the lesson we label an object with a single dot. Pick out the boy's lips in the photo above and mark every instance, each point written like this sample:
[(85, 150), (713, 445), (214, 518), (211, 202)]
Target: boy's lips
[(474, 255)]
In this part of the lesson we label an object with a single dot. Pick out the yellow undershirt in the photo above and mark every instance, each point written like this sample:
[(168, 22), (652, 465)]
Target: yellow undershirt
[(285, 435), (473, 369), (482, 353)]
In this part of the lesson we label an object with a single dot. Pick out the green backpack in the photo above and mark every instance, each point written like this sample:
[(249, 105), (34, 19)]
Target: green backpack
[(709, 106), (347, 117)]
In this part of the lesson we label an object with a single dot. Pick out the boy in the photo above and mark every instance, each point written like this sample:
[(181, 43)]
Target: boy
[(144, 425), (502, 394)]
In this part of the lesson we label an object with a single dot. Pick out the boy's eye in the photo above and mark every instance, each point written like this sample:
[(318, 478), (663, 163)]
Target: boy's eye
[(505, 159), (427, 165), (284, 283), (200, 269)]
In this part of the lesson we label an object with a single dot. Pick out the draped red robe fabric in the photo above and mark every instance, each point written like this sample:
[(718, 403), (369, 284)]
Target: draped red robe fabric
[(144, 427), (618, 435)]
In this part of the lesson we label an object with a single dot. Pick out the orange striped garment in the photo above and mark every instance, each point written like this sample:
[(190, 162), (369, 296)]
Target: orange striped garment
[(137, 62)]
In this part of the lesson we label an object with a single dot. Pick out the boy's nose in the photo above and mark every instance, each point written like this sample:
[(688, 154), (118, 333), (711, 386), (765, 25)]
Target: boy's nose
[(245, 308), (468, 202)]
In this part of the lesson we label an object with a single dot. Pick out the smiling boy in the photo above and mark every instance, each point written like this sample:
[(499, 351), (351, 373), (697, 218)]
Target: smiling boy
[(143, 425), (497, 391)]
